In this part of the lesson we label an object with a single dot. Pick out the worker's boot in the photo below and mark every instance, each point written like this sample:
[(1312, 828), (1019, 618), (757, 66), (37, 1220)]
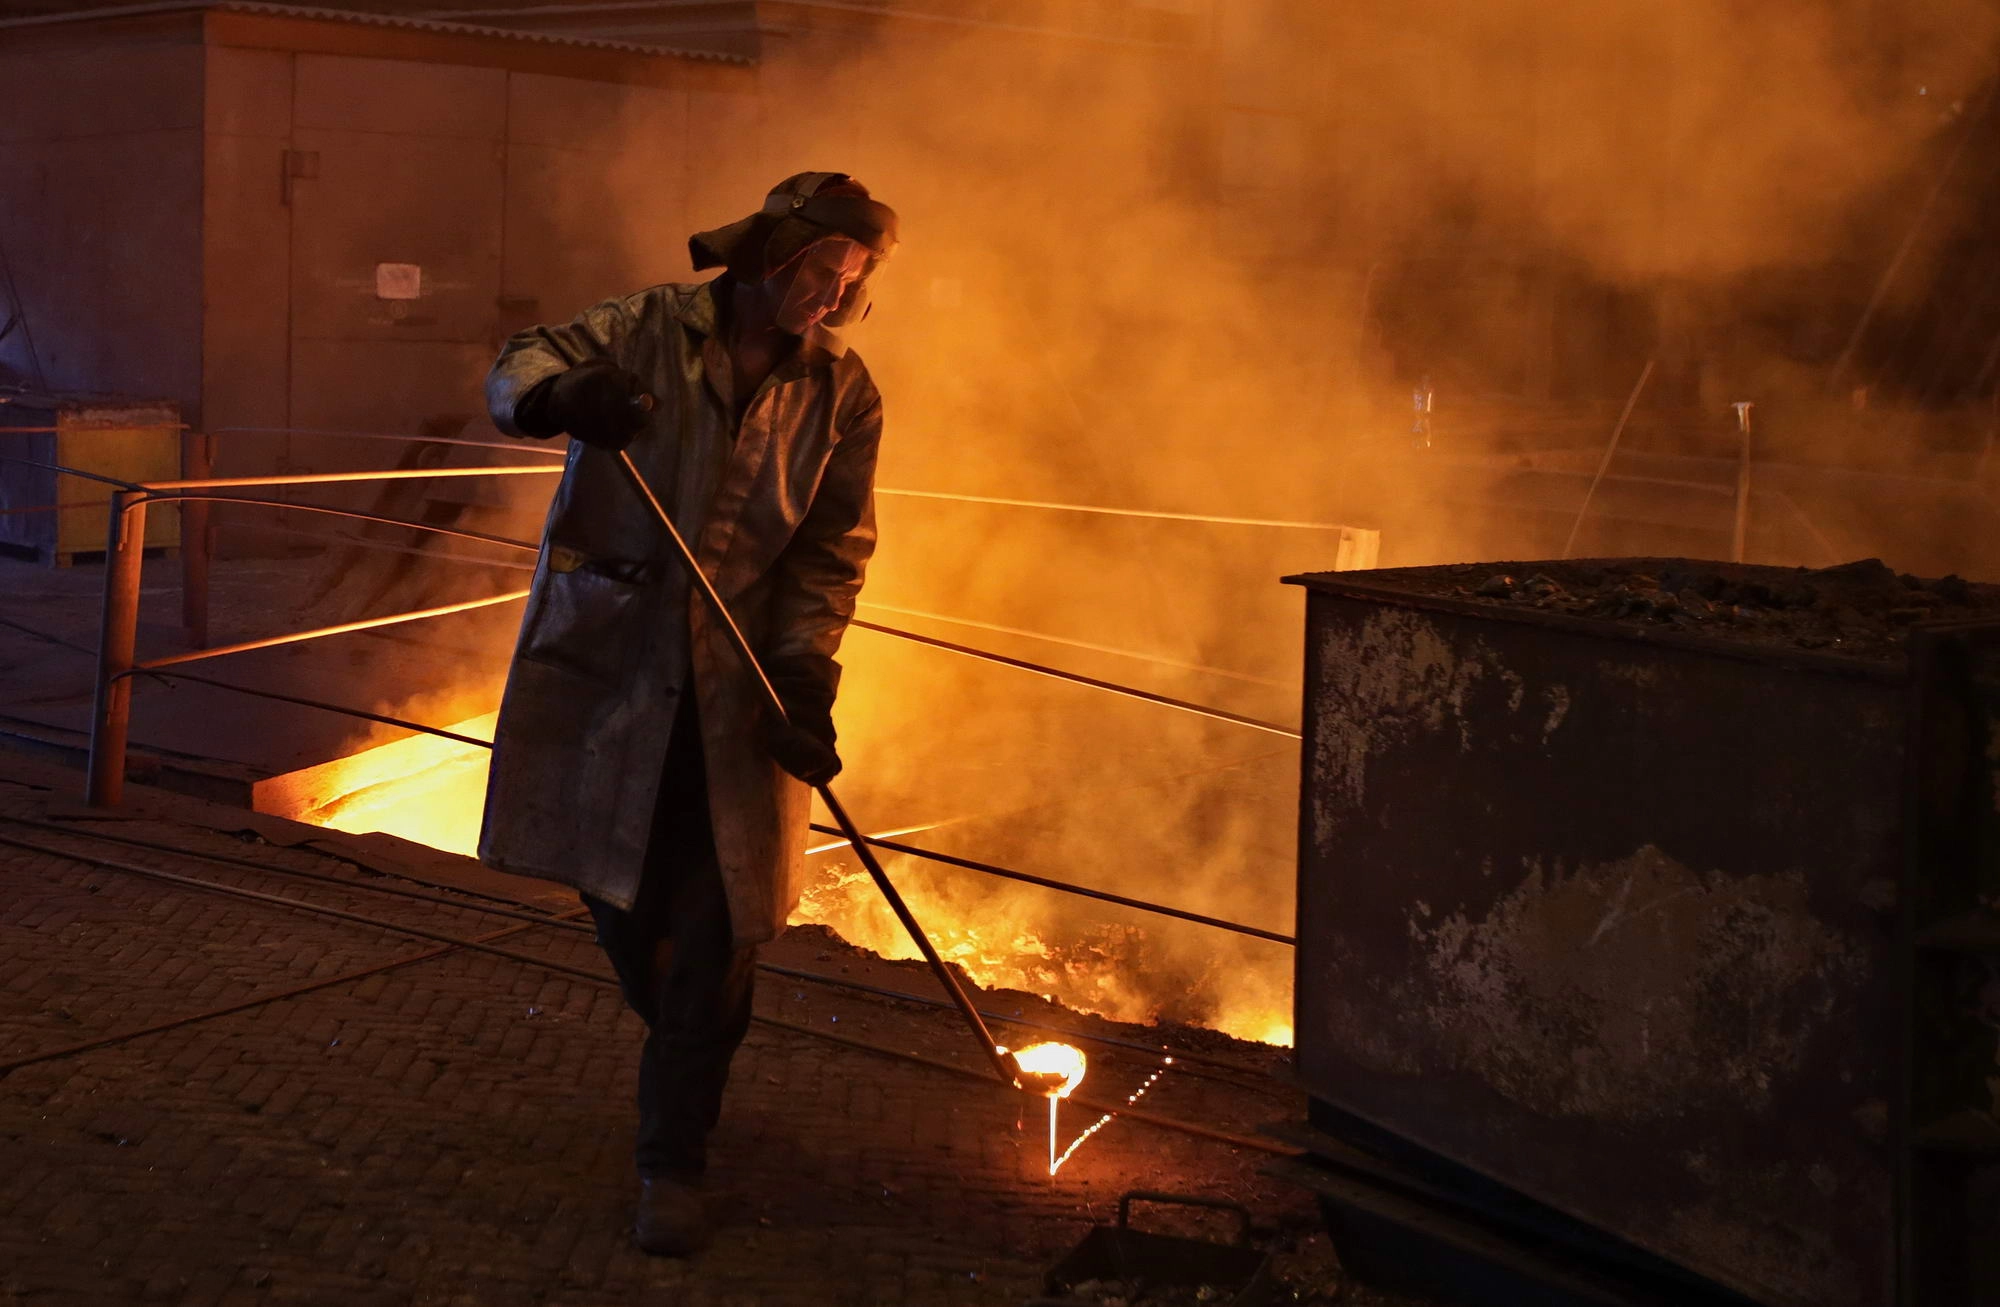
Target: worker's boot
[(671, 1222)]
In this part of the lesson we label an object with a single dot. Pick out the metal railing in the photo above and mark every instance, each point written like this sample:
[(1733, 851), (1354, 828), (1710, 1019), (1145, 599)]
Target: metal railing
[(124, 551), (117, 646)]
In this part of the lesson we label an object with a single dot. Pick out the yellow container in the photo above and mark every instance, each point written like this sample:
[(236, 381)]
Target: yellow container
[(56, 518)]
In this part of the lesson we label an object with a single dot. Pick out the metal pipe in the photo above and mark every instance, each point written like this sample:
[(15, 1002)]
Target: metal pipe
[(388, 546), (197, 539), (117, 639), (303, 702), (1085, 645), (336, 478), (1610, 450), (1103, 896), (873, 12), (517, 446), (365, 624), (1742, 533), (1112, 687), (461, 532), (67, 471), (1008, 1072), (1209, 518), (911, 850), (140, 426)]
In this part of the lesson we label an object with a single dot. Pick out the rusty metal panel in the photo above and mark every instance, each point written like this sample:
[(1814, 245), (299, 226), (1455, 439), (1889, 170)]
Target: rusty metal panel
[(430, 202), (246, 257), (1951, 1125), (108, 90), (1611, 921), (400, 97), (395, 164)]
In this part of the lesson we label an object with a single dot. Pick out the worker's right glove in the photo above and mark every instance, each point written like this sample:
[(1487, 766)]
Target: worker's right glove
[(596, 402), (802, 742)]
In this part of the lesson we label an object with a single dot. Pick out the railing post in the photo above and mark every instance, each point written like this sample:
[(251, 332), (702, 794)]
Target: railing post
[(111, 714), (197, 537), (1740, 540)]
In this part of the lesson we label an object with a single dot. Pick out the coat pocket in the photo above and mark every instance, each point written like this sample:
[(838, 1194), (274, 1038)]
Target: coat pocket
[(583, 618)]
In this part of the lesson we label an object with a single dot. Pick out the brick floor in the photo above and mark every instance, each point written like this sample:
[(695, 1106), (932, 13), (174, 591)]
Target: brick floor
[(456, 1131)]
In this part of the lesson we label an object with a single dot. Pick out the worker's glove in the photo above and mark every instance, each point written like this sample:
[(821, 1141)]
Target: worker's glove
[(596, 402), (803, 741)]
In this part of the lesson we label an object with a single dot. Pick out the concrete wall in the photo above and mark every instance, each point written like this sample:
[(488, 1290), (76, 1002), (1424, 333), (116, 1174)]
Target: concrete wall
[(100, 213)]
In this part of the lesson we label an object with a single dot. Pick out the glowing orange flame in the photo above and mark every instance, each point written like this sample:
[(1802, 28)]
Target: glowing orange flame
[(432, 790)]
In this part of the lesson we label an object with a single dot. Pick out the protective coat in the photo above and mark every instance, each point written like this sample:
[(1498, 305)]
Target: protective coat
[(780, 512)]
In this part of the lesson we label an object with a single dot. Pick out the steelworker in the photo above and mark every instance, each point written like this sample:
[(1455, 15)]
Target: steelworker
[(633, 759)]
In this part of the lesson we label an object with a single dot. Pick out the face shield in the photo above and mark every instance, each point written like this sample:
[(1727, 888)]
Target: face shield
[(823, 283)]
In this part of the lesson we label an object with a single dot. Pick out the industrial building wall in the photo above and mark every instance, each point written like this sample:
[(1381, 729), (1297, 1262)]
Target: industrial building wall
[(246, 244), (375, 228), (100, 212)]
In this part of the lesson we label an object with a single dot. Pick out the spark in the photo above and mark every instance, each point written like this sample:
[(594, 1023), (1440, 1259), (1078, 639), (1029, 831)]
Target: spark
[(1056, 1163)]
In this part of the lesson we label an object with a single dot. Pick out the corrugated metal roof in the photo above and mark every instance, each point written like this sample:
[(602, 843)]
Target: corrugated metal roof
[(366, 18)]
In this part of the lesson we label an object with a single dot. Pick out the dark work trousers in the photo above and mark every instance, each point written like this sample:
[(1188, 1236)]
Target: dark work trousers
[(676, 960)]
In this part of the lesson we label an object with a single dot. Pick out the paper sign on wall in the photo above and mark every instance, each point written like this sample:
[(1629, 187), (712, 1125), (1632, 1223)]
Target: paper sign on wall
[(398, 281)]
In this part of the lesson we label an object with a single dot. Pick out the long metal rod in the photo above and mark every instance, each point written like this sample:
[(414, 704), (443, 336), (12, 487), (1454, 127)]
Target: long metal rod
[(1610, 451), (1074, 678), (391, 547), (365, 624), (1103, 896), (911, 850), (187, 496), (67, 471), (117, 641), (96, 426), (303, 702), (699, 579), (1085, 645), (1097, 510), (339, 478), (559, 451)]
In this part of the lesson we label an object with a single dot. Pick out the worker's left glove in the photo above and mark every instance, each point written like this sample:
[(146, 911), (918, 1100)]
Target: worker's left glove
[(803, 742), (596, 402)]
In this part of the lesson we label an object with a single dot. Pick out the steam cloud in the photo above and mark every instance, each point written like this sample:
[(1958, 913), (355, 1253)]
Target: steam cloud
[(1110, 296)]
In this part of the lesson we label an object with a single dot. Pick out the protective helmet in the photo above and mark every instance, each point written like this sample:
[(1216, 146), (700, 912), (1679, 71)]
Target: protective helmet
[(800, 210)]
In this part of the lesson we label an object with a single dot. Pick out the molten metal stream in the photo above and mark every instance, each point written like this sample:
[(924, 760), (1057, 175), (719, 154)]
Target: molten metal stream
[(1061, 1067)]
